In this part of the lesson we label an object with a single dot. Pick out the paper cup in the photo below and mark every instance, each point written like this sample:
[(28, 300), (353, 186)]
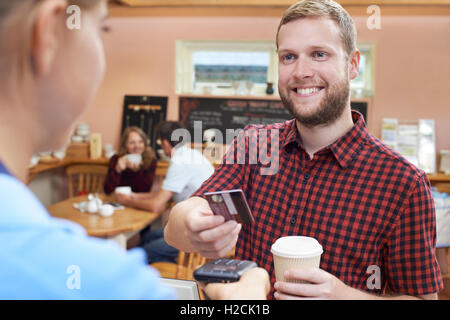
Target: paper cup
[(295, 252)]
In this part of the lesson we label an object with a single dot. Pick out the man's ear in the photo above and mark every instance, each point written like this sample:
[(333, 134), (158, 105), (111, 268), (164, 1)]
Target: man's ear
[(166, 143), (46, 28), (354, 64)]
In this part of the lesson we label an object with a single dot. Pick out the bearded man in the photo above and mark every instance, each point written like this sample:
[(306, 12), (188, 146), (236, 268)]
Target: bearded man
[(368, 207)]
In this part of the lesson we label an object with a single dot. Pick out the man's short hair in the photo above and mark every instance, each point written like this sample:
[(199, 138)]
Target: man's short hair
[(324, 8), (165, 129)]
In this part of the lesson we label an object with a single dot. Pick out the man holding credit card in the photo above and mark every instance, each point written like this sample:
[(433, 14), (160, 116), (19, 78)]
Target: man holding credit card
[(369, 208)]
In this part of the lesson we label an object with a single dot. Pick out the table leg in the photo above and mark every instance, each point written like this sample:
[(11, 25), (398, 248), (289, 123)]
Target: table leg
[(122, 238)]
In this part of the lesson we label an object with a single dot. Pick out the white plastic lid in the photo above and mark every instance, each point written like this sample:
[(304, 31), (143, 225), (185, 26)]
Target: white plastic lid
[(296, 247)]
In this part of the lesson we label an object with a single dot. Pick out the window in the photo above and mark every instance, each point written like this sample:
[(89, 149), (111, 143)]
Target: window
[(364, 84), (226, 67)]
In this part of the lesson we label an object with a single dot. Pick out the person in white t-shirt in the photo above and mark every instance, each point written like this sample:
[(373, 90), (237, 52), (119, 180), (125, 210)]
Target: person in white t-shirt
[(188, 169)]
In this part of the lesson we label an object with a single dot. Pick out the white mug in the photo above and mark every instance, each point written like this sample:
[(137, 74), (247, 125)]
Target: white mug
[(123, 190), (134, 158)]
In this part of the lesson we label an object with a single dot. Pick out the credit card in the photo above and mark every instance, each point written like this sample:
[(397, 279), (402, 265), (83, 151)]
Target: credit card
[(231, 204)]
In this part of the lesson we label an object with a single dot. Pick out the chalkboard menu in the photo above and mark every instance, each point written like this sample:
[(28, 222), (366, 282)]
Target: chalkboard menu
[(144, 112), (230, 113)]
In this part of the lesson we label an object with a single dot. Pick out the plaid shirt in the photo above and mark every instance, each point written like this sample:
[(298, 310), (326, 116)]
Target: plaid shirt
[(364, 203)]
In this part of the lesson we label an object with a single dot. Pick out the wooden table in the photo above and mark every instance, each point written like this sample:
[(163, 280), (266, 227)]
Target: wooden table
[(121, 226)]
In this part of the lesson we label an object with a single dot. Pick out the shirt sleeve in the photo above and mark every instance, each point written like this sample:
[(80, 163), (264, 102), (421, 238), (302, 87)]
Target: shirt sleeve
[(49, 258), (112, 179), (177, 177), (412, 266)]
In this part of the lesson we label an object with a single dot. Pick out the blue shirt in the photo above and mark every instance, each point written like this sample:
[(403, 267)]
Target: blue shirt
[(42, 257)]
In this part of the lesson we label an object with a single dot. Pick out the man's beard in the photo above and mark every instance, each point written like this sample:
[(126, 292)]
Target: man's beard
[(330, 109)]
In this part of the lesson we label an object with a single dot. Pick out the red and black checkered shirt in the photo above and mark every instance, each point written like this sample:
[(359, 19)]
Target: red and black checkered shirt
[(365, 204)]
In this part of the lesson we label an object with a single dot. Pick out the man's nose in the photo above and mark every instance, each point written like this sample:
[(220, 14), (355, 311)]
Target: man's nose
[(303, 68)]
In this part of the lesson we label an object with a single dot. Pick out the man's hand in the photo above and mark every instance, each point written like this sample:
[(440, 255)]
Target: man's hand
[(322, 285), (192, 226), (253, 285), (209, 234)]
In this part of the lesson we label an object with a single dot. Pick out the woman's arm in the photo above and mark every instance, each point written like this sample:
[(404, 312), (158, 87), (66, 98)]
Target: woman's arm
[(112, 179), (156, 203), (150, 174)]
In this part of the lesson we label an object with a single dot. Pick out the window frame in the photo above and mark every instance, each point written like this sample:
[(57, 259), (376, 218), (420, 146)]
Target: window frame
[(367, 88)]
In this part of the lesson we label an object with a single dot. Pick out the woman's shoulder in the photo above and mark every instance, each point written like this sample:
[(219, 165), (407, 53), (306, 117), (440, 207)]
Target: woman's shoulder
[(152, 166)]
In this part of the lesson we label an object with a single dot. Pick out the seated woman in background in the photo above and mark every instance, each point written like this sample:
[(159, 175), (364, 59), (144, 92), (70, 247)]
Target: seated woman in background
[(125, 172)]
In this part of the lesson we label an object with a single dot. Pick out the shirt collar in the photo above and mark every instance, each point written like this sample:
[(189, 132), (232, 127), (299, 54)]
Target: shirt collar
[(179, 150), (3, 170), (345, 148)]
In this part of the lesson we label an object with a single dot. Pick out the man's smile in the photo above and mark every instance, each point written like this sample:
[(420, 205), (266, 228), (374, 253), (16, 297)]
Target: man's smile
[(306, 91)]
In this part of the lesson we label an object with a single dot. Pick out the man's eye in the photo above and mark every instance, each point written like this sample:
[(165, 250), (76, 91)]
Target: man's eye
[(287, 57), (320, 54)]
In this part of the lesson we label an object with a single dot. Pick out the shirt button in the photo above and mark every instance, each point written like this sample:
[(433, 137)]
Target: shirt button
[(306, 176), (293, 221)]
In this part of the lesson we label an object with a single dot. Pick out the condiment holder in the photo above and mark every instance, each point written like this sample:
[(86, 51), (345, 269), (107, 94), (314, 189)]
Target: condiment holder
[(95, 205)]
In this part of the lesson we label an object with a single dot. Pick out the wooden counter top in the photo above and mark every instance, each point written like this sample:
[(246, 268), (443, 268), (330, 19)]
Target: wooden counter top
[(161, 168)]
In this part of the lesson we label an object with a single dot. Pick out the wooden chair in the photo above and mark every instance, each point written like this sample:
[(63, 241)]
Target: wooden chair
[(443, 257), (443, 187), (185, 266), (86, 178), (183, 269)]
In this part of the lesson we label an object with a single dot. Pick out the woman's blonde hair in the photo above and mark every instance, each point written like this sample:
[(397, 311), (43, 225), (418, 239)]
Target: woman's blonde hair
[(324, 8), (147, 156)]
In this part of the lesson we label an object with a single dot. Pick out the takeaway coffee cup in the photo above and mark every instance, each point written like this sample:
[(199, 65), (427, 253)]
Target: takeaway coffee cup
[(295, 252)]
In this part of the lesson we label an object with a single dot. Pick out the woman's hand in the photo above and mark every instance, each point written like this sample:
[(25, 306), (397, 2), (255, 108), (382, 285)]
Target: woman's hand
[(254, 284), (121, 164), (133, 166), (124, 199)]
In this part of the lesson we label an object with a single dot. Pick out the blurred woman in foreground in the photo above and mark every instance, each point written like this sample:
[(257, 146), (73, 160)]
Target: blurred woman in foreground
[(49, 73)]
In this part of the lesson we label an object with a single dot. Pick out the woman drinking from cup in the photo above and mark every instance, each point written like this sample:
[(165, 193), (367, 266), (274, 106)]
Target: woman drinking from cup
[(134, 165)]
